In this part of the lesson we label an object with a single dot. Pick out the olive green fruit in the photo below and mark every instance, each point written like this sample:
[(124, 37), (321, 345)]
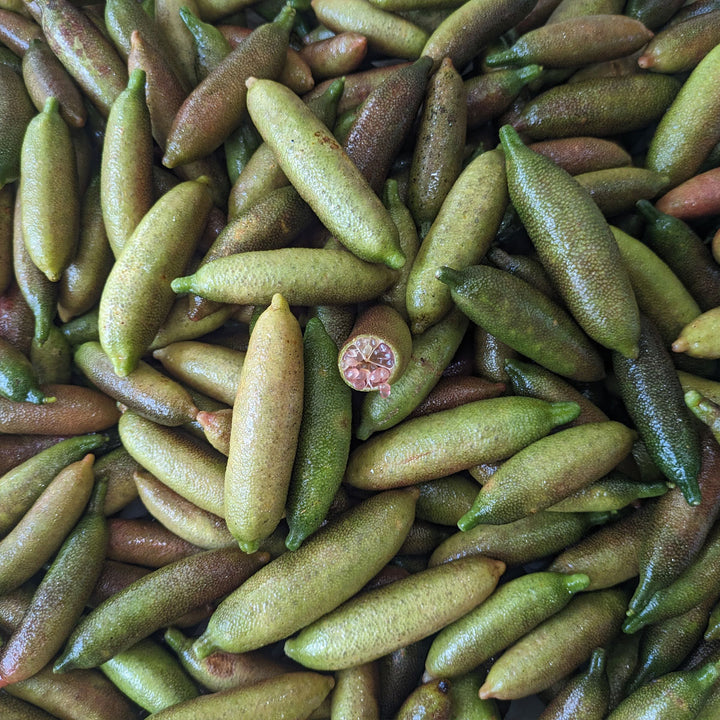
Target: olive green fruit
[(292, 696), (153, 601), (324, 439), (575, 41), (585, 697), (575, 245), (598, 107), (522, 317), (433, 446), (49, 192), (216, 106), (557, 646), (137, 295), (305, 276), (690, 128), (299, 587), (16, 111), (59, 600), (376, 622), (265, 426), (385, 31), (676, 696), (185, 464), (460, 236), (150, 676), (323, 174), (510, 612), (21, 486), (547, 470), (44, 527), (653, 397), (126, 172)]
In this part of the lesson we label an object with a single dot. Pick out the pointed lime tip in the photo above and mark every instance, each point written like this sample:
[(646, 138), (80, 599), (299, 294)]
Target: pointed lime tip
[(206, 419), (37, 397), (598, 661), (335, 89), (486, 691), (136, 81), (648, 210), (509, 138), (640, 599), (249, 546), (391, 193), (635, 622), (693, 399), (449, 276), (203, 647), (504, 57), (289, 648), (529, 73), (63, 664), (470, 519), (628, 350), (691, 494), (53, 275), (512, 368), (363, 432), (175, 639), (122, 365), (278, 302), (654, 489), (286, 17), (182, 284), (187, 16), (294, 540), (577, 582), (564, 412), (52, 105), (170, 158), (395, 260), (708, 673)]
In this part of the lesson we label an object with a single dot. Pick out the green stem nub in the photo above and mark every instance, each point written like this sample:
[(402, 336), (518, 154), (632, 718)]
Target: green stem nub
[(504, 57), (182, 284), (449, 276)]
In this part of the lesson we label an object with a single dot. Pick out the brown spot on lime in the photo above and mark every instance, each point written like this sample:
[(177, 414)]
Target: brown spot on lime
[(326, 140), (414, 458)]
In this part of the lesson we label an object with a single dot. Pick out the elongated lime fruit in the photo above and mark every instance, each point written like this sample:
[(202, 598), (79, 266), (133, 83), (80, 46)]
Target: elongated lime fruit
[(323, 174)]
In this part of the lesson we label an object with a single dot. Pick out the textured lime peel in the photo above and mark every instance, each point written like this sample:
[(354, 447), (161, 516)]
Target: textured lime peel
[(367, 365)]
